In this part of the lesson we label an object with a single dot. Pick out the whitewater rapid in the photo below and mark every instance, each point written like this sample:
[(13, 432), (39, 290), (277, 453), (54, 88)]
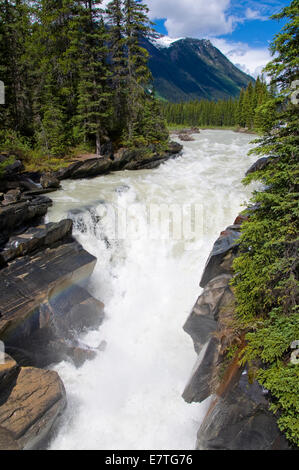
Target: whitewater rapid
[(129, 396)]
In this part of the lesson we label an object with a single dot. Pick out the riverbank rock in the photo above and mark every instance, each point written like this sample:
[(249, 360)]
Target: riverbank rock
[(123, 159), (29, 282), (18, 216), (240, 420), (202, 322), (260, 164), (11, 169), (186, 137), (221, 257), (11, 197), (201, 383), (49, 181), (81, 310), (35, 238), (8, 371), (238, 417), (29, 406), (7, 441)]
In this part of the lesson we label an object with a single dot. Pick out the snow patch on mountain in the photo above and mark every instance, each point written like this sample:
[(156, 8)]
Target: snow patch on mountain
[(164, 41)]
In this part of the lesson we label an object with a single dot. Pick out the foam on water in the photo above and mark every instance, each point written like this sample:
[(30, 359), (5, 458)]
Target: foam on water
[(129, 397)]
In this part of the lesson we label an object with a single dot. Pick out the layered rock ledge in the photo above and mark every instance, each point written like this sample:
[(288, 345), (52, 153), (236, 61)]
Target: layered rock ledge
[(43, 308), (30, 402), (123, 159)]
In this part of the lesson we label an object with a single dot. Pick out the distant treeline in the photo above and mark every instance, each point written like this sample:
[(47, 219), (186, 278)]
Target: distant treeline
[(242, 112)]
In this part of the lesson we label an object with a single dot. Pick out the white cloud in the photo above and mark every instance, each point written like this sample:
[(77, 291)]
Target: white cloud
[(250, 60), (209, 19), (251, 14), (193, 18)]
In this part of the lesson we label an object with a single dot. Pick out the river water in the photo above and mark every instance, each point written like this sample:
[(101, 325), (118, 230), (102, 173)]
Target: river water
[(151, 231)]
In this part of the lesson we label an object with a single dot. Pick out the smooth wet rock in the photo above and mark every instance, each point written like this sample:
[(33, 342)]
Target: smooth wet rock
[(49, 181), (202, 322), (16, 215), (123, 159), (241, 420), (35, 238), (203, 378), (27, 184), (7, 441), (8, 371), (30, 406), (11, 197), (186, 138), (60, 349), (221, 257), (85, 168), (30, 281), (260, 164), (13, 168), (80, 309)]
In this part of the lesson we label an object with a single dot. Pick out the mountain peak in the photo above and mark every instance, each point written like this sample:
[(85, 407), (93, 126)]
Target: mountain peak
[(185, 69)]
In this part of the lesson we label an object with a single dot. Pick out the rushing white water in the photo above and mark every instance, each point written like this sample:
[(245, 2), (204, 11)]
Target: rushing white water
[(129, 397)]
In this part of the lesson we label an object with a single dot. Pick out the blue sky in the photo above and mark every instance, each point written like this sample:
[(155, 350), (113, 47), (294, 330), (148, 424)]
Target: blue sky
[(241, 29)]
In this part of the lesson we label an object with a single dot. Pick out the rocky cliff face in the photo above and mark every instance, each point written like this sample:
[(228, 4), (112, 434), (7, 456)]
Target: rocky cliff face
[(42, 308), (238, 417)]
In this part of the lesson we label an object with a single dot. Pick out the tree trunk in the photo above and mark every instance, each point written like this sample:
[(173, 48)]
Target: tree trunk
[(98, 143)]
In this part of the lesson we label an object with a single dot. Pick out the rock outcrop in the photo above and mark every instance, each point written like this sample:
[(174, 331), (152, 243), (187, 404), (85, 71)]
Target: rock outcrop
[(30, 403), (186, 137), (17, 217), (260, 164), (238, 417), (35, 238), (42, 308), (240, 420), (222, 255), (123, 159), (29, 282), (49, 181)]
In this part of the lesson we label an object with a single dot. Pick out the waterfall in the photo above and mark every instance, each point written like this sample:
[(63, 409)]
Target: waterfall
[(151, 232)]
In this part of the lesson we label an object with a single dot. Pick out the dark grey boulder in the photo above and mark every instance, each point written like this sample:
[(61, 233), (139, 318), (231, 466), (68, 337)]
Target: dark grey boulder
[(260, 164), (241, 420), (77, 309), (221, 257), (201, 383), (17, 215), (11, 197), (123, 159), (202, 322), (35, 238), (49, 181), (29, 282), (186, 137)]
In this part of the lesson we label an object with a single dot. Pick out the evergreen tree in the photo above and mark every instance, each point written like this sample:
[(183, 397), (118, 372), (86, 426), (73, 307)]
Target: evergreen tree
[(52, 74), (136, 26), (118, 59), (266, 281), (15, 30), (94, 109)]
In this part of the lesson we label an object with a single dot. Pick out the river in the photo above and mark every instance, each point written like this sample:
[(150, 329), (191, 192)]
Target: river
[(147, 274)]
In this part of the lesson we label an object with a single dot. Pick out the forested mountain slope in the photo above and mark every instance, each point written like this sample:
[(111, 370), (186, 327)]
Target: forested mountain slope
[(193, 69)]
